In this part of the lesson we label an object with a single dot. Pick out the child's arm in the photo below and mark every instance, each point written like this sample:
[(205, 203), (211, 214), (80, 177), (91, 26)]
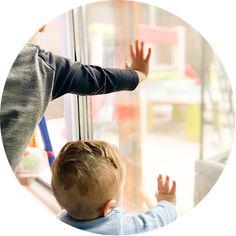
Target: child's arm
[(164, 192), (77, 78), (140, 61), (163, 213)]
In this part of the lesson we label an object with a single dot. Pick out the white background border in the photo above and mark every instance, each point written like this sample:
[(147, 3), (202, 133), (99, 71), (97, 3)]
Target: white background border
[(216, 21)]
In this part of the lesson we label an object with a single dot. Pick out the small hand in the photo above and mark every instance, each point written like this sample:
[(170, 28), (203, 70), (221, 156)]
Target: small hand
[(140, 62), (164, 191)]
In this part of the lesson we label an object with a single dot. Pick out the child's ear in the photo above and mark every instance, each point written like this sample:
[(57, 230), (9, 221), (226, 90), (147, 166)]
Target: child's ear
[(106, 209)]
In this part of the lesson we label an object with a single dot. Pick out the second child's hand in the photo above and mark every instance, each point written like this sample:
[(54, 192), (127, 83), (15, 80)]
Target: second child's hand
[(165, 192)]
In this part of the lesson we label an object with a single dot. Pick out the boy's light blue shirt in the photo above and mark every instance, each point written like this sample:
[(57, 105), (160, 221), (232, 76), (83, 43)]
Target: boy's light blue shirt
[(119, 222)]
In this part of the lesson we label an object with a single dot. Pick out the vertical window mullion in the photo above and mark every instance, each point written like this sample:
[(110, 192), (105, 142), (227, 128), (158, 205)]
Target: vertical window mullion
[(81, 54)]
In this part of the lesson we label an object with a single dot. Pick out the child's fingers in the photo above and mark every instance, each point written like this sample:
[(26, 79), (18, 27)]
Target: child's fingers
[(173, 188), (148, 55), (141, 50), (137, 48), (132, 50), (166, 185), (160, 183), (127, 65)]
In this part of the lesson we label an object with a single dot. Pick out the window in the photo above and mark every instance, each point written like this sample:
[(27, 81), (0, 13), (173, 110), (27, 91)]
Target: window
[(172, 124), (163, 126)]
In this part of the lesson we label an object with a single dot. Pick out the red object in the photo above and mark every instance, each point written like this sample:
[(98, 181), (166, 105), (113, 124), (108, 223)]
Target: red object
[(42, 29), (191, 73), (50, 153)]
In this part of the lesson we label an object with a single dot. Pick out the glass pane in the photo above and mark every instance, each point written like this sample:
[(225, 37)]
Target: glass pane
[(218, 127), (218, 112), (157, 127)]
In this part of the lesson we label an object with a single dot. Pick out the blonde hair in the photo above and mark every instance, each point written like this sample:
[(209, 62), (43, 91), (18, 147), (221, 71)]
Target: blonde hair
[(85, 175)]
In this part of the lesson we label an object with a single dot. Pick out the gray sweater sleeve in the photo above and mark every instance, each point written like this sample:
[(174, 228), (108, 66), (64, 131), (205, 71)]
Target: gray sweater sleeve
[(76, 78)]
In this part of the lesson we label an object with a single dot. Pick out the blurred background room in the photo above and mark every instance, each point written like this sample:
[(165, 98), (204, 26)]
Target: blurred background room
[(178, 122)]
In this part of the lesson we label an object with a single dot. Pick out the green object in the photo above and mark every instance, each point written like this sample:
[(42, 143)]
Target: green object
[(31, 163)]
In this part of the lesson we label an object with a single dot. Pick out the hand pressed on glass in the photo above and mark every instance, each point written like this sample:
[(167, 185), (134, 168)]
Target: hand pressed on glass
[(140, 61), (164, 191)]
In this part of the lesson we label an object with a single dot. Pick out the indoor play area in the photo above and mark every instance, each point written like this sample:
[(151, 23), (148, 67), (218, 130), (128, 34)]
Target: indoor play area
[(179, 122)]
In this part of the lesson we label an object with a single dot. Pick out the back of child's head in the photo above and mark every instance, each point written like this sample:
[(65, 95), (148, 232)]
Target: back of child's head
[(85, 175)]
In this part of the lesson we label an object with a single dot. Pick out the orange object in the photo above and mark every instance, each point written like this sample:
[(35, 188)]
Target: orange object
[(33, 142), (42, 29), (126, 112)]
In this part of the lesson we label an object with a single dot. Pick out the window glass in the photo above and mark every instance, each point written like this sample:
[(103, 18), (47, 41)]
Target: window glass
[(179, 122), (158, 127)]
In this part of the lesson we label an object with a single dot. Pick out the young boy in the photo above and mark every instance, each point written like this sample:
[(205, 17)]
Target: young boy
[(87, 181)]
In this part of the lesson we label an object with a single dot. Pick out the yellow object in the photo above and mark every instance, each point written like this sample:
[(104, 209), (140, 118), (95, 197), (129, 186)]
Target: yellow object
[(193, 122)]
